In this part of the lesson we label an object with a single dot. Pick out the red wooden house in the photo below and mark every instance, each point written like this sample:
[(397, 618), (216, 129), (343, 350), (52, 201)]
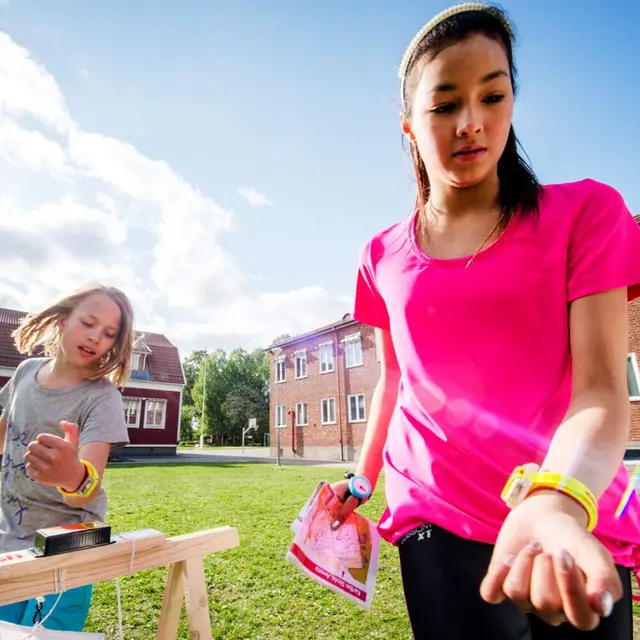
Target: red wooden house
[(152, 396)]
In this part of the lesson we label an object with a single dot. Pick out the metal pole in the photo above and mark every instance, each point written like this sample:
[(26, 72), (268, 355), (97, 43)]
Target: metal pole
[(204, 391)]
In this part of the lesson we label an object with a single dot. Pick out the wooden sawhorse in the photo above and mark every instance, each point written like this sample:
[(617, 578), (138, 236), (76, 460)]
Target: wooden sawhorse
[(23, 576)]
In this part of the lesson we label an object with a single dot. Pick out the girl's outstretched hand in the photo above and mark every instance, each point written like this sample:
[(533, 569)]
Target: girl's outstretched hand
[(547, 563), (54, 461), (348, 506)]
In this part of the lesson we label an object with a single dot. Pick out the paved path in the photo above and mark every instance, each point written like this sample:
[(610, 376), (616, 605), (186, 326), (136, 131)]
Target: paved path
[(231, 456)]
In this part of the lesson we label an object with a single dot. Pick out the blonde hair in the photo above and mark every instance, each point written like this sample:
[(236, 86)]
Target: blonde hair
[(42, 330)]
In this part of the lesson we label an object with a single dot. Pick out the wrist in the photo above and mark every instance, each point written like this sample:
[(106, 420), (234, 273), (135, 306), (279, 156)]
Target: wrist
[(77, 478), (560, 502)]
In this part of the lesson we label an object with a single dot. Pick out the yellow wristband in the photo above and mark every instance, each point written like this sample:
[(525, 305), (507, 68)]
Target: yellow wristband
[(528, 478), (87, 486), (569, 487)]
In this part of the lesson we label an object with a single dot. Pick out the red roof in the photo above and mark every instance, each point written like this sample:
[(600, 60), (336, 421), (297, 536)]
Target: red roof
[(164, 359)]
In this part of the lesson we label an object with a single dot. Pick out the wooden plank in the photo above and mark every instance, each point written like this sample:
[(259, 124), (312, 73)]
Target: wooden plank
[(172, 603), (22, 563), (197, 601), (109, 565)]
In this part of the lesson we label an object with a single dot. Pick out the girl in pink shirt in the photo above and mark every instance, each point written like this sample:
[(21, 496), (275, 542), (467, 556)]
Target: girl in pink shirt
[(502, 312)]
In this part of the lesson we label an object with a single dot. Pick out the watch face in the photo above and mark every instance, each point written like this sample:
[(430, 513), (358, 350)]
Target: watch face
[(85, 486), (360, 487)]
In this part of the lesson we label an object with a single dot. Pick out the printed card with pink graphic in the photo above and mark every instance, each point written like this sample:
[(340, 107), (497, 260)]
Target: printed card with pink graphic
[(345, 560)]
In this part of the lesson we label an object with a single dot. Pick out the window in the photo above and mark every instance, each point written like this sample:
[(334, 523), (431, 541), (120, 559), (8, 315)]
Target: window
[(156, 411), (325, 357), (137, 362), (301, 364), (356, 408), (633, 377), (132, 412), (280, 369), (328, 411), (353, 350), (301, 414), (281, 416)]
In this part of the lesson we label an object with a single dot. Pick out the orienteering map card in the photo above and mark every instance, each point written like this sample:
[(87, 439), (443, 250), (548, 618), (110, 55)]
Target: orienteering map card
[(345, 560)]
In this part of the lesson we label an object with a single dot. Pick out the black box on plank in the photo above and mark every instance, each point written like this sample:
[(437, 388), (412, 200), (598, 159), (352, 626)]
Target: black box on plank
[(72, 537)]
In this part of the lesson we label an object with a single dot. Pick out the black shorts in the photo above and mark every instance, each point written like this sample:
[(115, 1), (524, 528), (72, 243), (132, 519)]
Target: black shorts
[(441, 575)]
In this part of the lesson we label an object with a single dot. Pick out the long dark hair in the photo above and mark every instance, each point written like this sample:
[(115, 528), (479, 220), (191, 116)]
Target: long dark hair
[(519, 187)]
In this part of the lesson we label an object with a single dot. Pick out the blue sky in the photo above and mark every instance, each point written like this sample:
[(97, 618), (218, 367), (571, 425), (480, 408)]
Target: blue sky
[(162, 109)]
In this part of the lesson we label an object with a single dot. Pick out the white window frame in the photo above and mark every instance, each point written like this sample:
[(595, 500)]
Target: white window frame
[(155, 401), (281, 361), (281, 412), (326, 347), (137, 361), (302, 414), (128, 401), (301, 356), (357, 418), (350, 341), (330, 402), (632, 361)]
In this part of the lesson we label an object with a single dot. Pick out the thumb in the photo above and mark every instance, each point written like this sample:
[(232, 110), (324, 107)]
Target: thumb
[(71, 432)]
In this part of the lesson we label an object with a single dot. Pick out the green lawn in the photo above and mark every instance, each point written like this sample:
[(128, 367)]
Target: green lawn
[(253, 591)]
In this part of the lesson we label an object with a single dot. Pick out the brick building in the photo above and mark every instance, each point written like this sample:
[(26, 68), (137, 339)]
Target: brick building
[(152, 396), (321, 388)]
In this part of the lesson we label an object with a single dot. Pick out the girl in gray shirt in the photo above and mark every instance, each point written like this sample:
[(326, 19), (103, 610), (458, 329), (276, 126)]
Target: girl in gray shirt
[(61, 414)]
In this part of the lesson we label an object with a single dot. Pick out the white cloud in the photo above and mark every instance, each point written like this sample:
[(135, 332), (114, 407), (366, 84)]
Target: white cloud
[(77, 206), (254, 198)]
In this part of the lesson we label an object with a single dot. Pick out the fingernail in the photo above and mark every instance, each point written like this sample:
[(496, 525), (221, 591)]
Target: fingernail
[(335, 524), (509, 560), (606, 603), (535, 546), (565, 560)]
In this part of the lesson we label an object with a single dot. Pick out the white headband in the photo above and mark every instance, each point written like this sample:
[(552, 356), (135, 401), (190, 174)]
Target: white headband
[(441, 17)]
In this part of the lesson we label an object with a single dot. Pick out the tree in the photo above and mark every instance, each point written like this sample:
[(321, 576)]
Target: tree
[(283, 337), (187, 422), (236, 390), (191, 366)]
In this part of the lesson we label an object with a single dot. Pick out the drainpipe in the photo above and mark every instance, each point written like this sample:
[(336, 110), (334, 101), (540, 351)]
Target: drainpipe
[(338, 400), (293, 431)]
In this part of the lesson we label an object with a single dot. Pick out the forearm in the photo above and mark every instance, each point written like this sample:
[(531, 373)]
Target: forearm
[(590, 444), (80, 503), (383, 403)]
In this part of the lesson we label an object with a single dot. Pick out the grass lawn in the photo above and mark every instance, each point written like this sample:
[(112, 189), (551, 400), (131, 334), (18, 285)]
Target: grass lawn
[(253, 591)]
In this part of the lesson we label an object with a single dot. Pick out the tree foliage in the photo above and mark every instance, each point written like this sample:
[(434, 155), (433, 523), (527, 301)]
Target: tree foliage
[(235, 387)]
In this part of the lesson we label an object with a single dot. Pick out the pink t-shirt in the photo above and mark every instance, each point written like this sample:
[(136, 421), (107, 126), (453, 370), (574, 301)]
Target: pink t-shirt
[(485, 359)]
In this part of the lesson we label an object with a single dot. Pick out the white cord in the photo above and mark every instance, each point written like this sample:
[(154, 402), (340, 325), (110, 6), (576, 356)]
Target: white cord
[(119, 608), (132, 558), (59, 580)]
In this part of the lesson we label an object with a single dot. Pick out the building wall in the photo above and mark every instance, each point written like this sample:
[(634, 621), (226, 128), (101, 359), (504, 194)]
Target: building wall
[(634, 347), (142, 436), (339, 441)]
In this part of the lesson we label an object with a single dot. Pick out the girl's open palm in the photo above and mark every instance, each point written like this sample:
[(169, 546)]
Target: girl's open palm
[(547, 563)]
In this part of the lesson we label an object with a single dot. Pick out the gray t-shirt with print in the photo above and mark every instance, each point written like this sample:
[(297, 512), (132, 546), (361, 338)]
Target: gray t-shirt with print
[(26, 505)]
